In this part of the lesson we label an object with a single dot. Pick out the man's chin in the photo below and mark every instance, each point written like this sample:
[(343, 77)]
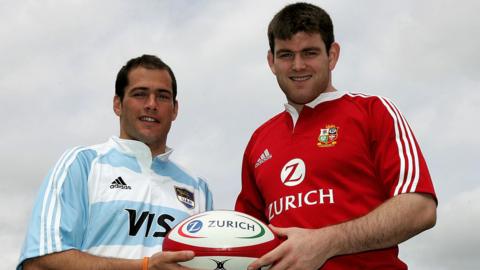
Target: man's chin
[(300, 100), (301, 97)]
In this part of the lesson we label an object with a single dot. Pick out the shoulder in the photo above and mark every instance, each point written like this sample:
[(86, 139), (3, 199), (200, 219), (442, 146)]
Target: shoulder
[(81, 156), (269, 125), (77, 154), (373, 105), (184, 175), (366, 100)]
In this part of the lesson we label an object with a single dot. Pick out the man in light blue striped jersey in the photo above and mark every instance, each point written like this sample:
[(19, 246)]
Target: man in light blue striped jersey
[(110, 205)]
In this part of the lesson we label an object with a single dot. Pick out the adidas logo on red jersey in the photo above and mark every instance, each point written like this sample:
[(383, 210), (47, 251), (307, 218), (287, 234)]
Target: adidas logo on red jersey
[(263, 157)]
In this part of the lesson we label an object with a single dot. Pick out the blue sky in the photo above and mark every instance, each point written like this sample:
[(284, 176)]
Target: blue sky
[(60, 59)]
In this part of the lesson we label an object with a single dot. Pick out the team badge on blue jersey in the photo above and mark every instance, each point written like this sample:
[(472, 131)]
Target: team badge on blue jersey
[(328, 136), (186, 197)]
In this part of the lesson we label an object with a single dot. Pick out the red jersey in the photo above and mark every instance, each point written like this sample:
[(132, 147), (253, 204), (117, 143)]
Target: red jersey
[(340, 158)]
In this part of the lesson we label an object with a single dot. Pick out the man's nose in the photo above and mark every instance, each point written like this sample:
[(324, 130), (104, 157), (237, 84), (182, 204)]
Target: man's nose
[(151, 102), (298, 62)]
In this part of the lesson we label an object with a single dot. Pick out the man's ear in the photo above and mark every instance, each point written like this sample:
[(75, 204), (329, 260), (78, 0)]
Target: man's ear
[(333, 55), (117, 105), (175, 110), (271, 59)]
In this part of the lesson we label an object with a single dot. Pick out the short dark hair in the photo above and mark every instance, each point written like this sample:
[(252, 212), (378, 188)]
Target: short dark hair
[(145, 61), (300, 17)]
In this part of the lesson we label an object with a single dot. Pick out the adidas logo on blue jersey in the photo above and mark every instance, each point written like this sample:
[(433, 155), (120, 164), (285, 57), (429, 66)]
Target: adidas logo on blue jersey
[(119, 183)]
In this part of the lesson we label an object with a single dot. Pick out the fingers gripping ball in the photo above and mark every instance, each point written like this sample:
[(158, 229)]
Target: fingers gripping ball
[(221, 240)]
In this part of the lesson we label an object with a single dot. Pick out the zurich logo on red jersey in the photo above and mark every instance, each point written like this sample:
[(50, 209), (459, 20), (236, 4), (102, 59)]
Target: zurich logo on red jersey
[(293, 172)]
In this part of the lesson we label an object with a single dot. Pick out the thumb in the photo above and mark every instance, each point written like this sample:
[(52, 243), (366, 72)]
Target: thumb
[(283, 232), (178, 256)]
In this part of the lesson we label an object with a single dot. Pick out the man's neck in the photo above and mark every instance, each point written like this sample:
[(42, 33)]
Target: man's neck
[(299, 107), (157, 150)]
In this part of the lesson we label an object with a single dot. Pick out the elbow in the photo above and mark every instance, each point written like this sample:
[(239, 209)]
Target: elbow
[(429, 214), (432, 218)]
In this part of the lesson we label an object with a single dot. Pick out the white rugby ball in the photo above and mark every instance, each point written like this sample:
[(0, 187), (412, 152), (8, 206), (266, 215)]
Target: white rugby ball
[(221, 239)]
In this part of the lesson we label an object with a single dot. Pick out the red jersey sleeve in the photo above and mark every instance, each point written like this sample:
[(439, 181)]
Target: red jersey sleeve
[(250, 200), (398, 159)]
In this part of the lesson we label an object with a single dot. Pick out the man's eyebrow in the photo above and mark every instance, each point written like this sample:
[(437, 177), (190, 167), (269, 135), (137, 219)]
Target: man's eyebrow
[(143, 88), (162, 90), (313, 48), (283, 50)]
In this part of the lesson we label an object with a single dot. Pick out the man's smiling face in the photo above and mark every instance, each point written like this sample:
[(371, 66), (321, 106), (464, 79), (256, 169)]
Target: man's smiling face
[(148, 108), (303, 66)]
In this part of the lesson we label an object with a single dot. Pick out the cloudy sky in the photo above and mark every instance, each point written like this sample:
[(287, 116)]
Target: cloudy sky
[(59, 60)]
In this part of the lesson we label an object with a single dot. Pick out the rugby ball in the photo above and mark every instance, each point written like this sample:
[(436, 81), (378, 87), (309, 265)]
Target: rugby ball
[(221, 239)]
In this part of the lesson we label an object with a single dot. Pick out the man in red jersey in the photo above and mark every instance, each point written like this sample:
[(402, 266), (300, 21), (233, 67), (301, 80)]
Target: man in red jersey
[(339, 175)]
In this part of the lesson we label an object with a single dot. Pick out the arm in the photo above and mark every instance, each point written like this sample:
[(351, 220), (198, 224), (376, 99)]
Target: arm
[(250, 200), (393, 222), (66, 186), (78, 260)]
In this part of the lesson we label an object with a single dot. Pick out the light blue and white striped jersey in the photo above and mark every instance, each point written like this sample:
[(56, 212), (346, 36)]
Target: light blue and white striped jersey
[(113, 200)]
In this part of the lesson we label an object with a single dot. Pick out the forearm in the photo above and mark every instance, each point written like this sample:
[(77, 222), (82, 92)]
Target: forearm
[(393, 222), (77, 260)]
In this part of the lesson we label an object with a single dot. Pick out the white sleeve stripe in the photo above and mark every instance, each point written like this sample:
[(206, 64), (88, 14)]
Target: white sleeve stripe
[(51, 207), (401, 175), (415, 156), (406, 142), (406, 135), (52, 192), (416, 165), (44, 205), (59, 210)]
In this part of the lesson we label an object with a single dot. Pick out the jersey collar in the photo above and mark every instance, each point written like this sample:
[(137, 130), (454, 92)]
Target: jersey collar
[(323, 97), (139, 149)]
